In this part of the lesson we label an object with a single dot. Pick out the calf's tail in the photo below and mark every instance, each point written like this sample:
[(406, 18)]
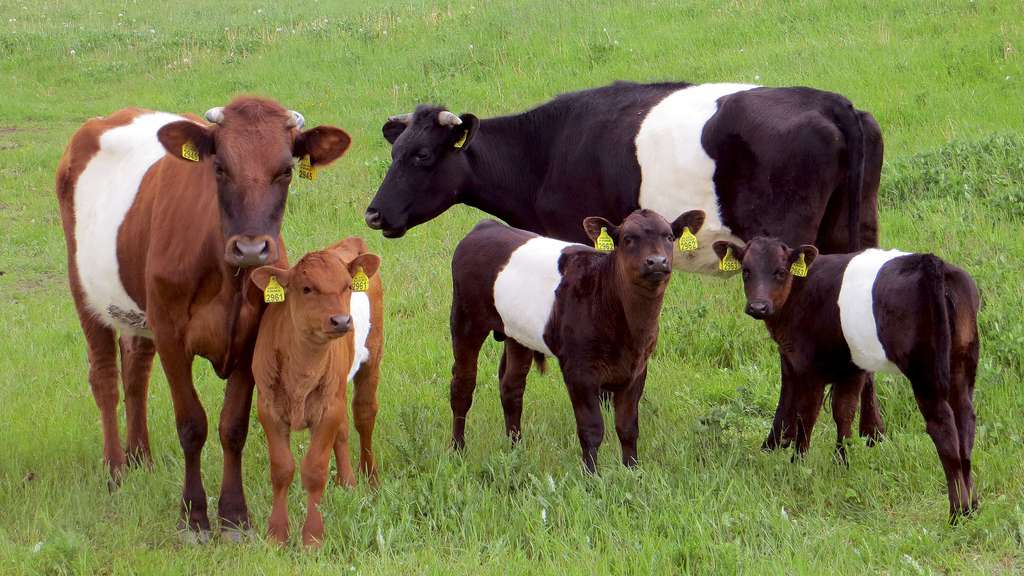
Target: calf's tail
[(538, 361), (934, 290)]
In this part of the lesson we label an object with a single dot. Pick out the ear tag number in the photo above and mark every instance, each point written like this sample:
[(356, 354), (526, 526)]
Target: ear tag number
[(274, 292), (360, 282), (687, 241), (728, 263), (306, 168), (461, 141), (604, 242), (799, 268), (189, 151)]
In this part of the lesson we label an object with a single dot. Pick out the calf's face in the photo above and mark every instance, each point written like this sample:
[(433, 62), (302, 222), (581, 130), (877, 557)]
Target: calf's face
[(318, 291), (427, 171), (644, 243), (766, 269), (251, 145)]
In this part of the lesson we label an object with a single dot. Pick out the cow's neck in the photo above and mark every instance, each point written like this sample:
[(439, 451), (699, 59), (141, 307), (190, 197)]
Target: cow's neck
[(505, 170)]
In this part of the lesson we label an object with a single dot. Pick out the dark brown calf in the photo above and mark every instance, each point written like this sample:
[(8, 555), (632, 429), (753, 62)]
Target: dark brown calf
[(854, 314), (325, 333), (596, 312)]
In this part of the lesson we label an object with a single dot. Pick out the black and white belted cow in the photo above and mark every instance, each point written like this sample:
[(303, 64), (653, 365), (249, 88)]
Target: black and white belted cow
[(799, 164)]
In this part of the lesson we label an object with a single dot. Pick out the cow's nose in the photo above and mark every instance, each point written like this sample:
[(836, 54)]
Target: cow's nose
[(656, 263), (759, 309), (341, 323), (248, 252), (373, 218)]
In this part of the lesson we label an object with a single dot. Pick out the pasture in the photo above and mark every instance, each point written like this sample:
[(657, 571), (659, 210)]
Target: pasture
[(945, 81)]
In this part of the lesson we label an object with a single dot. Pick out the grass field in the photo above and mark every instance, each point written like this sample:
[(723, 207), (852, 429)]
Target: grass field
[(944, 79)]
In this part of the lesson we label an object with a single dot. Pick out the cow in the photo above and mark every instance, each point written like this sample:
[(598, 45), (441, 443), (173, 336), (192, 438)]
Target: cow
[(164, 216), (326, 331), (797, 163), (838, 318), (596, 312)]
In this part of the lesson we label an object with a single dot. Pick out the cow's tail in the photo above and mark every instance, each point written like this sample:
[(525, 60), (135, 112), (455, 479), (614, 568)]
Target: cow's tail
[(539, 362), (933, 272), (848, 121)]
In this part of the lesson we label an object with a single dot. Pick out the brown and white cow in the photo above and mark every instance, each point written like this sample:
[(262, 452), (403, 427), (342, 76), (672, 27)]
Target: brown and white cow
[(872, 311), (596, 312), (326, 332), (163, 214)]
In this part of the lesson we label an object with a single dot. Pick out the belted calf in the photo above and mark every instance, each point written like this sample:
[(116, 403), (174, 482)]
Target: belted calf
[(871, 311), (328, 330), (596, 312)]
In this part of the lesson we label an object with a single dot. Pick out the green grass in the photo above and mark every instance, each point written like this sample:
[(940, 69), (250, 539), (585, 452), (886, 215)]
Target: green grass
[(944, 79)]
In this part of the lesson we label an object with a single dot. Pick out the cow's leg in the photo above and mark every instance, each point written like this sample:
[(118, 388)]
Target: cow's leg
[(781, 434), (234, 429), (315, 468), (941, 424), (807, 407), (282, 471), (871, 425), (103, 380), (586, 405), (964, 364), (364, 412), (466, 343), (136, 364), (627, 418), (844, 407), (518, 359)]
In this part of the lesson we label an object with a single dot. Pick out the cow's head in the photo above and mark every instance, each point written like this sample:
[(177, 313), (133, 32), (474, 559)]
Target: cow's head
[(318, 291), (643, 244), (428, 168), (766, 265), (250, 146)]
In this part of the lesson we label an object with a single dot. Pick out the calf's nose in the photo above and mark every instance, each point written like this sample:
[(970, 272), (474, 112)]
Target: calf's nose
[(373, 218), (341, 323), (759, 308), (656, 263)]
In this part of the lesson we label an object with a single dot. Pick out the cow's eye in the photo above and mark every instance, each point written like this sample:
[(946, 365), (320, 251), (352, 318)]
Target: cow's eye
[(219, 170), (628, 240), (669, 237), (422, 157)]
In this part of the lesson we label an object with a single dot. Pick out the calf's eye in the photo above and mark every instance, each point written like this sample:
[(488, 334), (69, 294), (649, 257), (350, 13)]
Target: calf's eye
[(307, 290)]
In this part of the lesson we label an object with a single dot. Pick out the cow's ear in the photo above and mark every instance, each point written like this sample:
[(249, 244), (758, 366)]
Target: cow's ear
[(809, 253), (323, 144), (393, 128), (693, 220), (262, 275), (463, 134), (187, 140), (370, 263), (592, 225), (721, 247)]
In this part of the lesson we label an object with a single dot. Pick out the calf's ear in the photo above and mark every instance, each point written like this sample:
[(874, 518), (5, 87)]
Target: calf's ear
[(187, 140), (323, 144), (463, 134), (370, 263), (723, 246), (809, 252), (592, 226), (261, 276), (692, 219)]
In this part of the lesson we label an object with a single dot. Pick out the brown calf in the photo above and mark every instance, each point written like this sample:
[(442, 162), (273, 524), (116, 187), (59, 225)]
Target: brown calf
[(596, 312), (875, 310), (163, 215), (325, 333)]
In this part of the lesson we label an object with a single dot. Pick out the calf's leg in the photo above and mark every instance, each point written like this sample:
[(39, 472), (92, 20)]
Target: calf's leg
[(586, 405), (627, 418), (844, 407), (518, 359), (136, 365), (345, 476), (871, 425), (103, 381), (808, 406), (781, 433), (964, 366), (282, 471), (234, 429), (466, 343), (941, 425), (364, 412), (315, 467)]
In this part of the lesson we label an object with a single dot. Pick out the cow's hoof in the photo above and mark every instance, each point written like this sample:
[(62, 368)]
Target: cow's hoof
[(192, 537), (234, 534), (139, 458)]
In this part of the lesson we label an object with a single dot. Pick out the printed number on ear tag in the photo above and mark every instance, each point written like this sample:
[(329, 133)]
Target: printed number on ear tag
[(189, 151), (274, 292), (461, 141), (306, 168), (687, 241), (360, 282), (604, 242), (728, 263), (799, 268)]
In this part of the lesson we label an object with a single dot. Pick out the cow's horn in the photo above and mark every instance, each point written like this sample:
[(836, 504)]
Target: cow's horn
[(215, 115), (297, 121), (446, 118), (403, 118)]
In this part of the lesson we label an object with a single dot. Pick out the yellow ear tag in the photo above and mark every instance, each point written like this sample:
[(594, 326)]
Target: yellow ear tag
[(728, 263), (274, 292), (604, 242), (306, 168), (799, 268), (461, 141), (189, 151), (687, 241), (360, 282)]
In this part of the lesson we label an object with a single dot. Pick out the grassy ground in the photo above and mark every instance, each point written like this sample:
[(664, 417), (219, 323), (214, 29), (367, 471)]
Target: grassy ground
[(944, 79)]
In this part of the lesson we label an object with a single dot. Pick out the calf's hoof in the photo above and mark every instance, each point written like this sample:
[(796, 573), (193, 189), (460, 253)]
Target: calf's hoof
[(345, 480), (458, 444), (235, 535), (139, 458), (192, 537), (872, 431)]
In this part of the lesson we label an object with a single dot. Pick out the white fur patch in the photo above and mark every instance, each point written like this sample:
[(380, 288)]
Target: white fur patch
[(857, 313), (676, 174), (104, 192), (524, 291), (361, 322)]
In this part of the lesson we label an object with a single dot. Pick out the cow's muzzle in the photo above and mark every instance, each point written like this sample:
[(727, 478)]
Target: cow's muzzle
[(759, 309), (250, 251)]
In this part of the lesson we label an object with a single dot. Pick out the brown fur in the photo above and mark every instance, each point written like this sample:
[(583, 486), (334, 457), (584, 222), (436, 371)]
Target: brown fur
[(300, 363)]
